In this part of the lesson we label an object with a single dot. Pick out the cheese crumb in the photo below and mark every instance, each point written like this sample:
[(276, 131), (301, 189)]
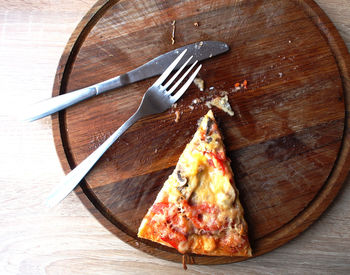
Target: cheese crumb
[(196, 101), (199, 83), (173, 33), (177, 116), (221, 103)]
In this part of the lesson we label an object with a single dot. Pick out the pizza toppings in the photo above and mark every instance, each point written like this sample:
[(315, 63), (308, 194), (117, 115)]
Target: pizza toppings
[(198, 210), (222, 103), (182, 180)]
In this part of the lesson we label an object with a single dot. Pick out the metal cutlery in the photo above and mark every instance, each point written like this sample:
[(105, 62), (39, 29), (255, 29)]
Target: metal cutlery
[(158, 98), (200, 51)]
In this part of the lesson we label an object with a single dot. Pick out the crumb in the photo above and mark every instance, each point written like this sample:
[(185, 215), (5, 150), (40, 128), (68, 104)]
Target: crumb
[(191, 107), (208, 104), (174, 105), (210, 55), (173, 33), (199, 83), (223, 93), (289, 41), (280, 74), (155, 150), (221, 103), (196, 24), (195, 101), (238, 85), (199, 45), (244, 84), (211, 88), (177, 116)]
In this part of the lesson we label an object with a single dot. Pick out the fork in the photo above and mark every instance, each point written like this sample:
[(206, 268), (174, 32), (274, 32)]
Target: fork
[(158, 98)]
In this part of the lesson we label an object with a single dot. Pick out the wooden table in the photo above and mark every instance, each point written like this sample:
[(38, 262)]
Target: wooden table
[(68, 239)]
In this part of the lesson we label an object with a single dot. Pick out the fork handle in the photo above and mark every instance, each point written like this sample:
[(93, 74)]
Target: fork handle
[(71, 180), (52, 105)]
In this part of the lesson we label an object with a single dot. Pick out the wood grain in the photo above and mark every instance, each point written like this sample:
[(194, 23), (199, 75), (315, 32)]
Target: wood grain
[(69, 239), (287, 140)]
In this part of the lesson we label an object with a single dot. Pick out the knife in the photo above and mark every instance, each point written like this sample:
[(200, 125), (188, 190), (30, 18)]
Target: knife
[(200, 51)]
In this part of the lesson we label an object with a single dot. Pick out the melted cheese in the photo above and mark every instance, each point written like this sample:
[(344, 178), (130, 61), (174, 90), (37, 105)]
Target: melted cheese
[(211, 184), (202, 177), (207, 184)]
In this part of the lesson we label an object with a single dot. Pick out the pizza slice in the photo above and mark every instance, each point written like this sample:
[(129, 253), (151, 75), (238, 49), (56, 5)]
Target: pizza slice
[(198, 209)]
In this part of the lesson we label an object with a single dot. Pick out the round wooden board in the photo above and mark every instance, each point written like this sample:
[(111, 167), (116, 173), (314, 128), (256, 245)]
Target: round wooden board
[(288, 141)]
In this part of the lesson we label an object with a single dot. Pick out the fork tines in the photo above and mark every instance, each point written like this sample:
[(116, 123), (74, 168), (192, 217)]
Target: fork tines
[(167, 72)]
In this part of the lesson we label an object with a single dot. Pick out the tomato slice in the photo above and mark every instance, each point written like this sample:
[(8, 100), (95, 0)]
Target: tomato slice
[(160, 207), (219, 157), (173, 226), (196, 213), (169, 224)]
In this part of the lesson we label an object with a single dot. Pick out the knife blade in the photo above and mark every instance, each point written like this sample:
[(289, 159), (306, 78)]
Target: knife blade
[(200, 51)]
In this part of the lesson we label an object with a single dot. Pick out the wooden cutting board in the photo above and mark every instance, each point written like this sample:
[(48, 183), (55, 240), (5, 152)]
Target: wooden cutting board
[(289, 138)]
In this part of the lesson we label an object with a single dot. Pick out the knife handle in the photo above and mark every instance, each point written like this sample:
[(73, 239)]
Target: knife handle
[(72, 179), (52, 105)]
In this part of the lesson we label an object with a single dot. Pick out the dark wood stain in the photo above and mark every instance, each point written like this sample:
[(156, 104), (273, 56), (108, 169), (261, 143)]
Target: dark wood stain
[(288, 141)]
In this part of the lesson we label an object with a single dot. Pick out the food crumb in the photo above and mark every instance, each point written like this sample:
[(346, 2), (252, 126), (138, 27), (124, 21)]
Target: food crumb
[(208, 104), (173, 33), (238, 85), (223, 93), (195, 101), (199, 83), (196, 24), (177, 116), (199, 45), (191, 107), (280, 75), (211, 88), (221, 103)]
